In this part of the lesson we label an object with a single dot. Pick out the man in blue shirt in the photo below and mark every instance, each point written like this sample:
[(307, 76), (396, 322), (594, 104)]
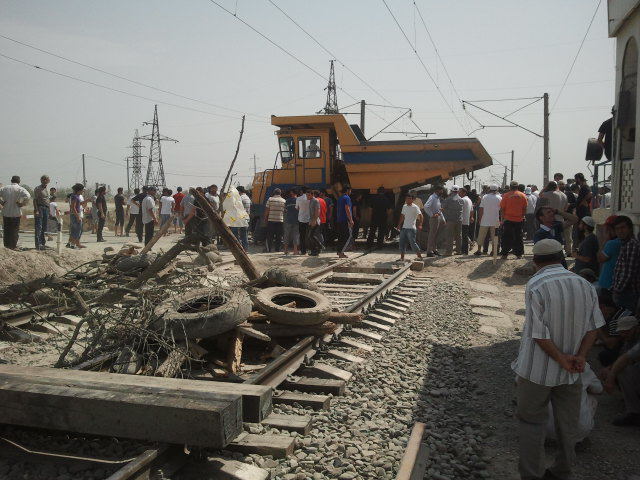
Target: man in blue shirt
[(344, 222)]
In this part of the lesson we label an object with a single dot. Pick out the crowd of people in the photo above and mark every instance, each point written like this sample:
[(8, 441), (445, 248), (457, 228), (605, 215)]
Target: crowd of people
[(141, 213)]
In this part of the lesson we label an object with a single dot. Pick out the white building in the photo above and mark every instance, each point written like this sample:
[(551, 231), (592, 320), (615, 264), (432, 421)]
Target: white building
[(624, 26)]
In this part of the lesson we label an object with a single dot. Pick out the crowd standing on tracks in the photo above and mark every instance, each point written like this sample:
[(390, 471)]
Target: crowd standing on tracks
[(566, 312)]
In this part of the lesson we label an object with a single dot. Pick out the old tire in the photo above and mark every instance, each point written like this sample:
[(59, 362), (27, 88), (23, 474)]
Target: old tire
[(202, 313), (312, 307), (281, 277), (135, 263)]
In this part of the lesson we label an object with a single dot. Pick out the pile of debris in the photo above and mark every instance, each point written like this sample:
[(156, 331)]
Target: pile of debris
[(171, 314)]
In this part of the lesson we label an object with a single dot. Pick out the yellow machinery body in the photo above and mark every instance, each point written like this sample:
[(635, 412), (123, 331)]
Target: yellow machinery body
[(325, 152)]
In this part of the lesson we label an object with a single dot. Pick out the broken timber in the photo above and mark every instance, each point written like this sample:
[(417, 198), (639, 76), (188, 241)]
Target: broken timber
[(256, 399), (212, 420)]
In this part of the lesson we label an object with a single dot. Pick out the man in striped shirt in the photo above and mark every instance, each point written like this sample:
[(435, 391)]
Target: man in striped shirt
[(561, 321), (274, 216)]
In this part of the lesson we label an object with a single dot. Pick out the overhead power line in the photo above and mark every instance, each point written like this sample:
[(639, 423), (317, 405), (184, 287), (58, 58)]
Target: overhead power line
[(120, 77), (287, 52), (329, 52), (123, 92), (424, 66), (573, 63)]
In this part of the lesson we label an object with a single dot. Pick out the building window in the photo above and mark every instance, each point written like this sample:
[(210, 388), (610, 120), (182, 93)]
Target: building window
[(309, 147)]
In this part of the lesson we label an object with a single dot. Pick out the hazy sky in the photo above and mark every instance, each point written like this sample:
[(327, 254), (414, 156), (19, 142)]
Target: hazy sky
[(492, 49)]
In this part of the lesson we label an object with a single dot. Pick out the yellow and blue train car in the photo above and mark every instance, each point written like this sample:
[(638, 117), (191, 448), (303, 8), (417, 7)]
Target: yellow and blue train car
[(325, 152)]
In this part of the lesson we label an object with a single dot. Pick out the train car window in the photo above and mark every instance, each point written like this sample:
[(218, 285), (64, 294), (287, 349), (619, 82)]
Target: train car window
[(286, 148), (309, 147)]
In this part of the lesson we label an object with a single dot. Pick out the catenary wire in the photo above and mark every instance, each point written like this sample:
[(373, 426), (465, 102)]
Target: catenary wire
[(289, 53), (573, 63), (425, 67), (123, 92), (120, 77)]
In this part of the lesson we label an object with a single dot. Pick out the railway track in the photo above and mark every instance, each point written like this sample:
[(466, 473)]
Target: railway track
[(300, 375)]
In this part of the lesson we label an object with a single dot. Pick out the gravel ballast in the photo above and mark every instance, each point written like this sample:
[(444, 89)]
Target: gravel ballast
[(418, 373)]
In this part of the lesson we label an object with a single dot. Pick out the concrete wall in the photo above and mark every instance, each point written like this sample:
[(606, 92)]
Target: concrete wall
[(626, 174)]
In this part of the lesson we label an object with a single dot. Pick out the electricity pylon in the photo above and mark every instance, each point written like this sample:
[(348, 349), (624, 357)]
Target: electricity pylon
[(155, 168)]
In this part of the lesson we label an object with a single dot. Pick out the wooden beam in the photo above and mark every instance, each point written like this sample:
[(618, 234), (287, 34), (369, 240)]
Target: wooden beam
[(234, 354), (290, 423), (278, 446), (256, 399), (316, 385), (228, 238), (160, 418), (315, 402)]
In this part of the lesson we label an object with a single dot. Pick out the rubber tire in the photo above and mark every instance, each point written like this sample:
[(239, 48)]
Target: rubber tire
[(135, 263), (208, 323), (281, 277), (290, 315)]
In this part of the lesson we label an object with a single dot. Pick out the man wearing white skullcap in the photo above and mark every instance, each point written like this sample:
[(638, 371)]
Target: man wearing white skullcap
[(562, 317)]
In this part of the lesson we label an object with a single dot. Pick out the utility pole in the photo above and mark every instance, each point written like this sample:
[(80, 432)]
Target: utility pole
[(362, 107), (504, 178), (255, 166), (155, 174), (128, 182), (136, 161), (545, 173), (331, 105), (512, 165), (84, 172)]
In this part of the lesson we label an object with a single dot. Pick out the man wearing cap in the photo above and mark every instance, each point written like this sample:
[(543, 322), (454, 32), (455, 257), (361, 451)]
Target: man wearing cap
[(452, 208), (625, 372), (562, 317), (514, 207), (488, 217)]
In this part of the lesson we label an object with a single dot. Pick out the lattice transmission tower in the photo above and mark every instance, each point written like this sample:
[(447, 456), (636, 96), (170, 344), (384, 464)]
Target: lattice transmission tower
[(155, 168), (331, 106), (136, 162)]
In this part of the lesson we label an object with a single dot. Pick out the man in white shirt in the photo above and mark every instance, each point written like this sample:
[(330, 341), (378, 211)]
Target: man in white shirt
[(489, 218), (467, 208), (433, 210), (562, 318), (12, 198), (212, 196), (167, 204), (530, 215), (304, 216), (133, 210), (149, 219), (410, 220)]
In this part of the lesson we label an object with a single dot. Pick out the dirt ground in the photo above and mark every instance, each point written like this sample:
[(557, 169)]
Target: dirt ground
[(609, 452)]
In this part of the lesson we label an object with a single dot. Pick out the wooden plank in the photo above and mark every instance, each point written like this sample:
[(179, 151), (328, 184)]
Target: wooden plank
[(392, 305), (234, 354), (316, 385), (290, 423), (322, 370), (142, 416), (375, 325), (358, 332), (350, 342), (315, 402), (278, 446), (347, 357), (414, 461), (388, 313), (256, 399), (381, 318)]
